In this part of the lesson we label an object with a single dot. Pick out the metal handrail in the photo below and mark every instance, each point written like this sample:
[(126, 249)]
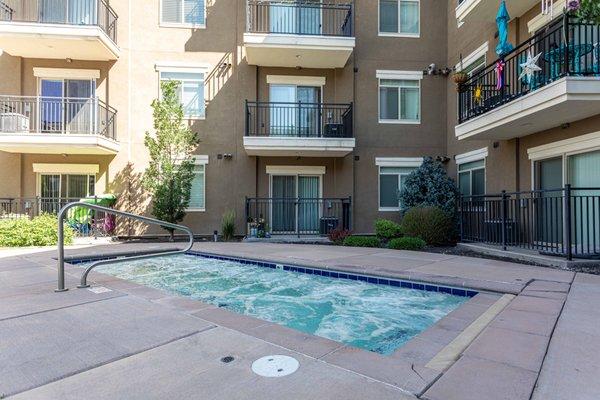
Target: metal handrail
[(61, 245)]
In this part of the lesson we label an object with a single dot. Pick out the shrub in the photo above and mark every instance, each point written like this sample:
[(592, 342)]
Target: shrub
[(338, 235), (361, 241), (387, 230), (407, 243), (39, 231), (228, 225), (431, 224), (429, 185)]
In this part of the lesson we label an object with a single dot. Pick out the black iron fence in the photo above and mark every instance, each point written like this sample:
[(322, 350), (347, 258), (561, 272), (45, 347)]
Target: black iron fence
[(296, 216), (299, 120), (563, 222), (66, 12), (302, 17), (84, 222), (565, 47)]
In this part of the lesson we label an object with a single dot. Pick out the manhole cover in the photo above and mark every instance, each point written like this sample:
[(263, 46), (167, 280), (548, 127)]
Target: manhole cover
[(275, 366)]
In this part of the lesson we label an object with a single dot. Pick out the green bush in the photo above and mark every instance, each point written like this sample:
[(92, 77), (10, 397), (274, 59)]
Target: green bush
[(39, 231), (387, 230), (362, 241), (228, 225), (407, 243), (431, 224)]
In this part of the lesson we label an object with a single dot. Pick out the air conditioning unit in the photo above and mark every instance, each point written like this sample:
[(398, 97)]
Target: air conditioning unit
[(14, 122), (334, 131)]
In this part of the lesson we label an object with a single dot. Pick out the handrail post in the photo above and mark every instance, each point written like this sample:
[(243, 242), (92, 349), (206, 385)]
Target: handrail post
[(61, 251), (504, 212), (297, 216), (567, 222), (567, 58)]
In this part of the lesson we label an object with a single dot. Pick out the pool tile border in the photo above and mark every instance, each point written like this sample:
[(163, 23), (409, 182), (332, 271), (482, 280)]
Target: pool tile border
[(330, 273)]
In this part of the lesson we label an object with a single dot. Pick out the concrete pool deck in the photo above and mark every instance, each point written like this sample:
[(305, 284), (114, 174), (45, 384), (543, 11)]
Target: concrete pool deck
[(123, 340)]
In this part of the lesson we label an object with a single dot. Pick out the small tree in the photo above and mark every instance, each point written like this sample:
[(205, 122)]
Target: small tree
[(430, 186), (169, 175)]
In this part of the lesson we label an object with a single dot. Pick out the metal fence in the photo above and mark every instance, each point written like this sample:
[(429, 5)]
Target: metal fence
[(64, 115), (64, 12), (563, 222), (565, 47), (299, 120), (84, 222), (302, 17), (297, 216)]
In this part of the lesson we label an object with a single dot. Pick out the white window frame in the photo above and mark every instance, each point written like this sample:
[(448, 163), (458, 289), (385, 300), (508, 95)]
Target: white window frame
[(200, 160), (472, 156), (398, 34), (179, 24), (405, 76), (176, 67), (394, 162)]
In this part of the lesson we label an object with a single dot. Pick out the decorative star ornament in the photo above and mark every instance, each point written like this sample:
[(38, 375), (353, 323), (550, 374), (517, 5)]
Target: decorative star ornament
[(530, 67), (478, 94)]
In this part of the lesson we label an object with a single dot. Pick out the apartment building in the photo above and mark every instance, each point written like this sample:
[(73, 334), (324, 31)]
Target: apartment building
[(323, 101)]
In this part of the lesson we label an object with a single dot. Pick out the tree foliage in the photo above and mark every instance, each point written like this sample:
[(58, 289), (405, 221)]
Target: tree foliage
[(168, 177), (586, 10), (429, 185)]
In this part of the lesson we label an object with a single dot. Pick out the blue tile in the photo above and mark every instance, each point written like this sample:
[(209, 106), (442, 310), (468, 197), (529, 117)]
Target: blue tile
[(471, 293), (353, 277), (363, 278), (343, 276), (406, 285), (395, 283), (384, 282), (372, 280), (443, 289), (334, 274), (418, 286), (318, 272), (431, 288), (286, 268), (301, 270), (309, 271), (459, 292), (324, 273)]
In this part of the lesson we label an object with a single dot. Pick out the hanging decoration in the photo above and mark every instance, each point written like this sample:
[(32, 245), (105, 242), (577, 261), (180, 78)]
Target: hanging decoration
[(530, 67), (502, 20), (500, 74), (478, 96)]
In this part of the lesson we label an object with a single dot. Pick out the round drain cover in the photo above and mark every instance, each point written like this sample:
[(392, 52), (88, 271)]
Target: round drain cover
[(275, 366)]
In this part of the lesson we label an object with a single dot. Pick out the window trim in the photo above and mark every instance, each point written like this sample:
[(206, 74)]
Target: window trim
[(200, 160), (182, 68), (391, 162), (398, 34), (399, 75), (182, 24), (481, 51)]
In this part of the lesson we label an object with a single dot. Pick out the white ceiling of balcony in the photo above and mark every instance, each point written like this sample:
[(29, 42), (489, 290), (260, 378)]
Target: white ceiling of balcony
[(485, 10)]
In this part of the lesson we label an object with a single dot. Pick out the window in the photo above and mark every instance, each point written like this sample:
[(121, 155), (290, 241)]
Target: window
[(183, 12), (190, 91), (471, 178), (197, 196), (476, 66), (391, 183), (399, 17), (399, 100)]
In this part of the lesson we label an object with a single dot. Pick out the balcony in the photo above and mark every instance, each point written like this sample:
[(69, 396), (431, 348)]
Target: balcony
[(54, 125), (485, 10), (308, 34), (564, 90), (59, 29), (296, 216), (298, 129)]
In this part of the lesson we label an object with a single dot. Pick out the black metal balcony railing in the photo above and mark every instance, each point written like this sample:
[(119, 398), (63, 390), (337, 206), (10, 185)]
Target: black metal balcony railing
[(83, 222), (566, 48), (57, 115), (563, 222), (302, 120), (64, 12), (297, 216), (302, 17)]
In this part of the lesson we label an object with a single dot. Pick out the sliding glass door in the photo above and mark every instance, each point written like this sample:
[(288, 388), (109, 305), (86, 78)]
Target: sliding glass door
[(295, 204), (67, 106), (75, 12), (303, 17), (295, 110), (584, 172)]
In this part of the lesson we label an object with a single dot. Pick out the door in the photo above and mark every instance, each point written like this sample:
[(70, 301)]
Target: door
[(295, 110), (549, 203), (584, 172), (67, 106), (51, 107), (49, 193), (283, 17), (309, 111), (308, 204), (310, 17), (302, 17), (283, 207)]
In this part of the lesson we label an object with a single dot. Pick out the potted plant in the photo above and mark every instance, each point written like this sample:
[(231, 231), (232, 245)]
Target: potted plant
[(587, 11)]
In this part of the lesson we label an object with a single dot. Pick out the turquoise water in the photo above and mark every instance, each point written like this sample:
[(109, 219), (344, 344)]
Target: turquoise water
[(374, 317)]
